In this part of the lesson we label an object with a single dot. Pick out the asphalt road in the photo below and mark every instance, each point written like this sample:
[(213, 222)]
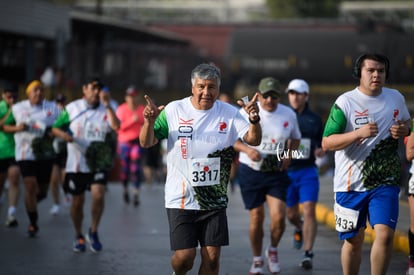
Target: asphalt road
[(136, 242)]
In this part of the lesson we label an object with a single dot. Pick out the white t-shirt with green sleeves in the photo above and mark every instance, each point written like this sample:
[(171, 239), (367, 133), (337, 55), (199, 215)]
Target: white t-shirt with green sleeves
[(38, 118), (373, 161), (199, 152)]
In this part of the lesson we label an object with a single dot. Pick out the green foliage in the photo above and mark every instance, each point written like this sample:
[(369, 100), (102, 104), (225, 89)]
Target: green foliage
[(303, 8)]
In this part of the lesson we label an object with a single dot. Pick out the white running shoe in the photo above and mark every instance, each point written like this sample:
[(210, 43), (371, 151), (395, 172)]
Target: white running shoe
[(55, 209), (272, 261), (256, 268)]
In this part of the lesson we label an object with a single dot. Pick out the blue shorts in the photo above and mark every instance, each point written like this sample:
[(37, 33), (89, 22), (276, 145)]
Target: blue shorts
[(256, 185), (379, 206), (304, 186)]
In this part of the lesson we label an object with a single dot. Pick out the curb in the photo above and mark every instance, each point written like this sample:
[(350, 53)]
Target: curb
[(325, 215)]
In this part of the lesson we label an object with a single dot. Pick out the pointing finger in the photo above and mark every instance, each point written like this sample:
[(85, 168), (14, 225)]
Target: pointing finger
[(254, 99), (148, 100)]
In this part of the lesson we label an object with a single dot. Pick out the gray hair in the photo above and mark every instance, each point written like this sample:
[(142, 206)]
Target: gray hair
[(206, 71)]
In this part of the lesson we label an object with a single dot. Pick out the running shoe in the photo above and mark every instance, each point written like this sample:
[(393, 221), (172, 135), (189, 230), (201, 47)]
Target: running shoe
[(32, 231), (93, 240), (256, 268), (79, 244), (272, 262), (136, 200), (55, 209), (11, 221), (297, 239), (307, 260), (126, 197), (410, 270)]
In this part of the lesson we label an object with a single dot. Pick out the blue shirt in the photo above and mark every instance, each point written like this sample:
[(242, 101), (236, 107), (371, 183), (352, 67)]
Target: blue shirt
[(311, 127)]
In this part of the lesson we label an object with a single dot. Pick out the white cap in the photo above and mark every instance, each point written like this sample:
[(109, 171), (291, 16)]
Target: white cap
[(298, 85)]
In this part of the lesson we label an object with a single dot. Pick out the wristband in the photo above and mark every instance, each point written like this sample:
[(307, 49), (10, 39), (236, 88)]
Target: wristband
[(257, 120)]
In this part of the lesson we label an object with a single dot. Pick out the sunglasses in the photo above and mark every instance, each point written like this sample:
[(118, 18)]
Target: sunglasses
[(271, 96)]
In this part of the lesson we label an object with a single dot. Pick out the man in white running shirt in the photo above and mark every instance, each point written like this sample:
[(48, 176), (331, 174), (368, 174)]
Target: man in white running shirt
[(363, 128), (201, 131), (263, 176), (34, 147), (85, 125)]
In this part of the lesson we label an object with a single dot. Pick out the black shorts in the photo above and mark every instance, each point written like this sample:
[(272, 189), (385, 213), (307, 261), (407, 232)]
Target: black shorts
[(41, 169), (6, 163), (60, 160), (78, 183), (189, 228)]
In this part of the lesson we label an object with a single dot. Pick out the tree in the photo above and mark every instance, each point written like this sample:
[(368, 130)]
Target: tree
[(303, 8)]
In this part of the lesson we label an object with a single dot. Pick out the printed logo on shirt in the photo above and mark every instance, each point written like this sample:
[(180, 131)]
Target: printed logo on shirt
[(361, 118), (185, 133), (222, 127), (395, 114)]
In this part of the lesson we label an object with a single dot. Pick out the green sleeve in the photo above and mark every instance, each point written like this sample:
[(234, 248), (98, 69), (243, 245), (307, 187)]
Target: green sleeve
[(336, 122), (62, 121), (3, 110), (161, 126)]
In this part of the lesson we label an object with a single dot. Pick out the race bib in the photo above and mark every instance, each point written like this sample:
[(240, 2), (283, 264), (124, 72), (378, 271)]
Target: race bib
[(94, 131), (271, 145), (37, 128), (304, 149), (345, 219), (205, 171), (411, 185)]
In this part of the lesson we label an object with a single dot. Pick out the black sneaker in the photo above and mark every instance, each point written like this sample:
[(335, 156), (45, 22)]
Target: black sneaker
[(136, 200), (297, 239), (126, 197), (307, 260), (11, 221), (32, 231)]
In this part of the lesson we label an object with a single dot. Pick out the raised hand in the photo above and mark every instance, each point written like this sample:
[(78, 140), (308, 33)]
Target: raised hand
[(251, 107), (151, 111)]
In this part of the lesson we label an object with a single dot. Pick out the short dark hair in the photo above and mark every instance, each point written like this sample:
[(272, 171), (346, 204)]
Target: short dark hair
[(356, 73)]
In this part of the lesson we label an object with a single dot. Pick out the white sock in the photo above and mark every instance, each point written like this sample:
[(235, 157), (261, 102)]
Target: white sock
[(12, 210), (257, 258)]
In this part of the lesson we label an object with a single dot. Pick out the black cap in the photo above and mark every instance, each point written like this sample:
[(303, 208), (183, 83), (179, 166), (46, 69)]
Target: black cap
[(96, 81)]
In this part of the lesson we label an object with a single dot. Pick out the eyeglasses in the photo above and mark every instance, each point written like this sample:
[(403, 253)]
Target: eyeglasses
[(274, 97)]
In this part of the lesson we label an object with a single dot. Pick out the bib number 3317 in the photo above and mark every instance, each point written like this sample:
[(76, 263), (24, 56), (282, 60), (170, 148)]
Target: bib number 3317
[(345, 219), (205, 171)]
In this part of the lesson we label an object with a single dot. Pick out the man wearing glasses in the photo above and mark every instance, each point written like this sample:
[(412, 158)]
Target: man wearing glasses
[(263, 173)]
